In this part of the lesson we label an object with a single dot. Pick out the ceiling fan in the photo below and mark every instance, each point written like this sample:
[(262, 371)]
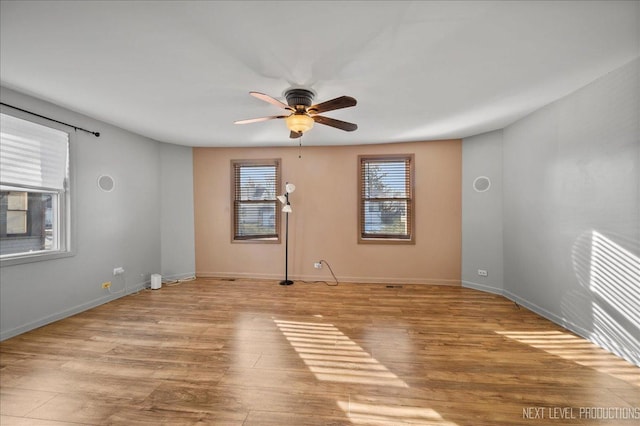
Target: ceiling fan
[(302, 113)]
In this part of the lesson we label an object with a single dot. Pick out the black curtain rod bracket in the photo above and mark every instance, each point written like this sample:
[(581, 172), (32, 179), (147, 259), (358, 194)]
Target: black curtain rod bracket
[(76, 128)]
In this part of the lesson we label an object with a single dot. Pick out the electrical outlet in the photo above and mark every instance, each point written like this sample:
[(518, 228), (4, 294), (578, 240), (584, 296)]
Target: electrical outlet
[(118, 271), (106, 284), (317, 265), (483, 272)]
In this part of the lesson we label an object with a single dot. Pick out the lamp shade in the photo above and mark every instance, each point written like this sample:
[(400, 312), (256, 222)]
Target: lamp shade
[(287, 208), (299, 123), (282, 199), (289, 187)]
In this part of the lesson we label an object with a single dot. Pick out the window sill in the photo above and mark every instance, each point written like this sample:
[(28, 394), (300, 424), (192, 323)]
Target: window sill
[(386, 241), (258, 241), (34, 257)]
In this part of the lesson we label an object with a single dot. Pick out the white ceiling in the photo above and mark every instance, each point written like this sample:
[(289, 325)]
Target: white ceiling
[(180, 71)]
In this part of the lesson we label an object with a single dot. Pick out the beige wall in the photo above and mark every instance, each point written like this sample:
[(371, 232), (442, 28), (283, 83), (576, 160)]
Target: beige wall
[(323, 224)]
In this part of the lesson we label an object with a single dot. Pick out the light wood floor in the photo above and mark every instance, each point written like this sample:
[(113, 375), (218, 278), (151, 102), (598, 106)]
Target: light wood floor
[(225, 352)]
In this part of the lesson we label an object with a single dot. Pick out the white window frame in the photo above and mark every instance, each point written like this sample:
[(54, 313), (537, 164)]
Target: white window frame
[(63, 204)]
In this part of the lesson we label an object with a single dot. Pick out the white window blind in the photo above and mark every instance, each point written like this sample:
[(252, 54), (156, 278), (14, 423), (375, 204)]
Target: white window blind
[(256, 214), (386, 198), (35, 208), (32, 155)]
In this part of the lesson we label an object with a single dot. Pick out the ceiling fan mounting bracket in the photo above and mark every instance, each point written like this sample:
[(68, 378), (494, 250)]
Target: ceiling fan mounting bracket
[(299, 97)]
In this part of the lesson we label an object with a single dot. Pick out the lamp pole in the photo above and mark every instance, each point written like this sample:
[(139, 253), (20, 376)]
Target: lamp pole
[(286, 209)]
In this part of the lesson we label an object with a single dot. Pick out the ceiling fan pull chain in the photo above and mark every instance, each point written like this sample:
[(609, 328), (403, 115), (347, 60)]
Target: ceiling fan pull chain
[(300, 146)]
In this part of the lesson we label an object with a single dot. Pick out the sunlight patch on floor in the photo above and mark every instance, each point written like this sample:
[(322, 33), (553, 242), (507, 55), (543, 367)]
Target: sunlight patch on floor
[(578, 350), (381, 414), (332, 356)]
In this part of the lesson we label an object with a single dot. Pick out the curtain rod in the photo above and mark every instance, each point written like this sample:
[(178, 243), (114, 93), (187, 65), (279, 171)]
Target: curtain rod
[(76, 128)]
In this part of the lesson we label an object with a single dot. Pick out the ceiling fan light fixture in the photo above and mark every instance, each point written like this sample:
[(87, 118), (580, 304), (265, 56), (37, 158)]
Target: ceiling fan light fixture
[(299, 123)]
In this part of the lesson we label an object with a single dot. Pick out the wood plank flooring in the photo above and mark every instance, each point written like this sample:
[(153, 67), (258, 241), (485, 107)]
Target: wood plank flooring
[(224, 352)]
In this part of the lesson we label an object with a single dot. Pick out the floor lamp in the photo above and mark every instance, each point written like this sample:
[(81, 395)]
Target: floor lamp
[(284, 199)]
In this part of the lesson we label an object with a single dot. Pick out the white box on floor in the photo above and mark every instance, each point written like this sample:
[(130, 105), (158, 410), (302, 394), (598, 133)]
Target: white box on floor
[(156, 281)]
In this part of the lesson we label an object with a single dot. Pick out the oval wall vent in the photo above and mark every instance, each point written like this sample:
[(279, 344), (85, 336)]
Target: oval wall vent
[(481, 184), (106, 183)]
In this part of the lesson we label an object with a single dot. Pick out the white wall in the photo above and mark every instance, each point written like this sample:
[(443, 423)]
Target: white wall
[(482, 213), (120, 228), (176, 210), (570, 211)]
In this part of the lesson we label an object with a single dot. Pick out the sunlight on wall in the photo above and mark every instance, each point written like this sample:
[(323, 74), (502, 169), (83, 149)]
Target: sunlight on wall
[(615, 281), (573, 348)]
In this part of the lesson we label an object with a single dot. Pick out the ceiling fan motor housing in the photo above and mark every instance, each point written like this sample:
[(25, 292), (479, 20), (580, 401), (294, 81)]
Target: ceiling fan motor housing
[(299, 97)]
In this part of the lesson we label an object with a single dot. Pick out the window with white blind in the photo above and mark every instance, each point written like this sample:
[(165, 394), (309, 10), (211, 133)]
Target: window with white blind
[(386, 204), (255, 212), (34, 191)]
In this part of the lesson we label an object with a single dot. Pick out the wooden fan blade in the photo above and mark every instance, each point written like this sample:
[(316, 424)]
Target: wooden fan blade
[(337, 103), (338, 124), (295, 135), (257, 120), (271, 100)]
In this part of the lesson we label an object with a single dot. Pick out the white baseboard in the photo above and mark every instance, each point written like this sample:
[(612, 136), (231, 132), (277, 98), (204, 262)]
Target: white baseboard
[(390, 280), (239, 275), (327, 277), (483, 287), (7, 334), (561, 321), (178, 277)]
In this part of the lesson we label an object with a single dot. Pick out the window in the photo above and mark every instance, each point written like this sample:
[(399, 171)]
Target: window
[(386, 205), (255, 213), (34, 191), (16, 212)]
